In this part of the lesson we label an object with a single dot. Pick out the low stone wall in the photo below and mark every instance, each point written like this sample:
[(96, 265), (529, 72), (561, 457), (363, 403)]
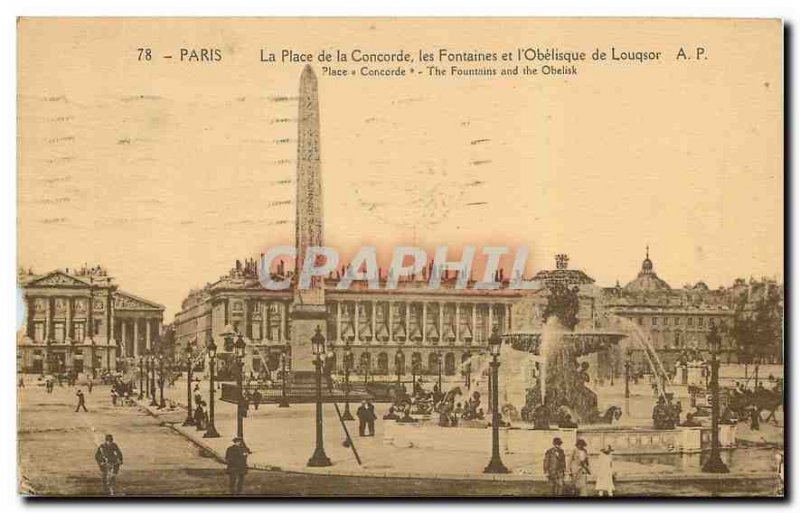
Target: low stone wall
[(425, 435)]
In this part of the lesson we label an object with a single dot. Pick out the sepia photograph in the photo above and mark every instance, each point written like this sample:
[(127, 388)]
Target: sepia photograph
[(400, 257)]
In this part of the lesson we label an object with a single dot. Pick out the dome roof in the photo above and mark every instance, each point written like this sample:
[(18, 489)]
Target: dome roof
[(647, 280)]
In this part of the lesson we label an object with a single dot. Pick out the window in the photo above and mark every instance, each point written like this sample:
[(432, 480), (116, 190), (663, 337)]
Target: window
[(383, 364), (690, 321), (655, 321), (450, 364)]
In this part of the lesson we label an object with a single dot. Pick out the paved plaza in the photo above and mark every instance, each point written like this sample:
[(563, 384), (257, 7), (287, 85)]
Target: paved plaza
[(163, 458)]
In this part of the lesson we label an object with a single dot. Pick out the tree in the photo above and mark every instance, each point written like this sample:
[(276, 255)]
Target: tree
[(758, 324)]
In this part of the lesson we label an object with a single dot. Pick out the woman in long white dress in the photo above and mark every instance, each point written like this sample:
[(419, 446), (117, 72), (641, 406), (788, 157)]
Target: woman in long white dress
[(605, 473)]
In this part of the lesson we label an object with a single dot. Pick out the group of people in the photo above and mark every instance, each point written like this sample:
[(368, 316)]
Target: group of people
[(578, 470)]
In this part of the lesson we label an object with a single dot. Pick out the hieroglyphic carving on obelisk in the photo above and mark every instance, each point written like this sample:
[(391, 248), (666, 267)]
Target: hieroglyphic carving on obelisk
[(308, 222)]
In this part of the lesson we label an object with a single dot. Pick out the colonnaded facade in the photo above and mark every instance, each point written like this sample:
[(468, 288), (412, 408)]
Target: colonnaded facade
[(79, 320), (403, 331)]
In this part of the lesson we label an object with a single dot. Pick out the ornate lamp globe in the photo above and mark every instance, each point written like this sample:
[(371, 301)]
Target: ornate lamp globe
[(239, 346), (494, 343), (318, 343)]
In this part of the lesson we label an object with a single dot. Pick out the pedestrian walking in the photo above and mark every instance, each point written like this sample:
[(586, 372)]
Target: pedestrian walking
[(81, 401), (605, 473), (555, 466), (90, 385), (236, 460), (256, 398), (199, 417), (21, 382), (579, 468), (371, 417), (362, 413), (109, 458), (114, 396)]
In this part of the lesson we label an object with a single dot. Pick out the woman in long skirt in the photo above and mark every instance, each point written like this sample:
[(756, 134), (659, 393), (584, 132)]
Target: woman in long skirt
[(605, 473)]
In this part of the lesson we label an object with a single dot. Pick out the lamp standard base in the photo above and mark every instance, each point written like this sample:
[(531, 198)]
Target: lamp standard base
[(319, 459), (715, 465), (153, 402), (495, 466), (347, 415), (211, 432), (189, 421)]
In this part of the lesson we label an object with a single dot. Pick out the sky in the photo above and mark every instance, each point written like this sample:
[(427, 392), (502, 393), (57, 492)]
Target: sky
[(165, 172)]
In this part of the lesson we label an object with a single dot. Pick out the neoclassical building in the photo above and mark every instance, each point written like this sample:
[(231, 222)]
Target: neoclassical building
[(77, 321), (386, 331), (673, 320)]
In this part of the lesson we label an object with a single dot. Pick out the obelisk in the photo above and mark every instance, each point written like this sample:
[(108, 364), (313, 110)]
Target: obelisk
[(308, 306)]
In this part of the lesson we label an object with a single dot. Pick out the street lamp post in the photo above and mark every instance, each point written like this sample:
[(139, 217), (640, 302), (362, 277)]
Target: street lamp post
[(495, 465), (141, 377), (348, 362), (284, 398), (189, 364), (714, 464), (319, 458), (211, 349), (467, 372), (161, 403), (627, 375), (397, 359), (239, 351), (152, 383)]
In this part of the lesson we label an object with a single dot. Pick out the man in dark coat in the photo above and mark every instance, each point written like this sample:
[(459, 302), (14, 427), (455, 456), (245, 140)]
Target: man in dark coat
[(81, 401), (362, 413), (371, 418), (109, 458), (236, 459), (555, 465)]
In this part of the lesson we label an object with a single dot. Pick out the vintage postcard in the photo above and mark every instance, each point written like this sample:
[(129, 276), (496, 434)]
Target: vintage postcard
[(420, 257)]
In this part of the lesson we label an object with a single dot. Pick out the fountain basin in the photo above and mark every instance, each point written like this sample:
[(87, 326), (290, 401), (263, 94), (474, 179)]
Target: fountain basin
[(521, 440)]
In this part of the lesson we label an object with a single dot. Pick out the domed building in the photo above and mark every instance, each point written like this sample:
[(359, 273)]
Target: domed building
[(647, 280)]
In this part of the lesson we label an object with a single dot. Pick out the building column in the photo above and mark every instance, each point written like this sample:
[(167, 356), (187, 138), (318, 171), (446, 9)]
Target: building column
[(408, 321), (282, 331), (247, 333), (508, 318), (391, 321), (491, 321), (48, 323), (458, 323), (226, 307), (147, 334), (374, 321), (339, 321), (31, 304), (356, 320), (68, 324), (264, 314), (424, 321), (474, 322), (136, 334), (441, 322)]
